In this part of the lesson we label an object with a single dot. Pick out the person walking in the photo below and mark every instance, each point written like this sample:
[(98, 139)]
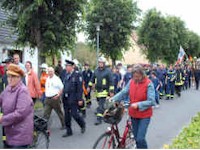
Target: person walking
[(103, 83), (142, 97), (32, 82), (87, 75), (72, 98), (170, 82), (53, 91), (16, 60), (17, 105), (43, 78)]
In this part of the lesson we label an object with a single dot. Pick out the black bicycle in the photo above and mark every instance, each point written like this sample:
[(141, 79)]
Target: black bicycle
[(41, 133)]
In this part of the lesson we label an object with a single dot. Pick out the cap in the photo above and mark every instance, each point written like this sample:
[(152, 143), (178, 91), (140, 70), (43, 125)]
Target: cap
[(68, 62), (44, 66), (15, 70), (7, 60), (102, 59)]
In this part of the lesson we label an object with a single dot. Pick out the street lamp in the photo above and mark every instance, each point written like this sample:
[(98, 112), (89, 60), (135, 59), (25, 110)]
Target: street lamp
[(97, 32)]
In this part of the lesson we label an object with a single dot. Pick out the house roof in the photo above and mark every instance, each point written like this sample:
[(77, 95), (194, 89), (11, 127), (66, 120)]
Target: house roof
[(6, 32)]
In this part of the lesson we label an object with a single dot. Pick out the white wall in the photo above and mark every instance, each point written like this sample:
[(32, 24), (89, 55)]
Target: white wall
[(33, 58)]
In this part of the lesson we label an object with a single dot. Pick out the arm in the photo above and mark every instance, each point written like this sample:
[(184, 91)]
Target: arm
[(24, 106), (124, 92), (150, 98)]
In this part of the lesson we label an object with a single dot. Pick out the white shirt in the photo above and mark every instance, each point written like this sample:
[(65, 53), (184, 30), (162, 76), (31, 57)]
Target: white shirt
[(53, 86)]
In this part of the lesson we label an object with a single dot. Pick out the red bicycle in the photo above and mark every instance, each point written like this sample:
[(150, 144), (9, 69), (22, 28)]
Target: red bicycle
[(112, 138)]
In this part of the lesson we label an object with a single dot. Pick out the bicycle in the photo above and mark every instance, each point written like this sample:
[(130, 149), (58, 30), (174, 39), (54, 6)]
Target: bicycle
[(41, 133), (112, 138)]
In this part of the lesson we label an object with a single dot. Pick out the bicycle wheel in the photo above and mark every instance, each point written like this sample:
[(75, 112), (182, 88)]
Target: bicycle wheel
[(41, 140), (105, 141), (130, 140)]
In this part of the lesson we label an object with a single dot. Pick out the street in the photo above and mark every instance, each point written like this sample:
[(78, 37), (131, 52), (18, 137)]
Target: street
[(166, 123)]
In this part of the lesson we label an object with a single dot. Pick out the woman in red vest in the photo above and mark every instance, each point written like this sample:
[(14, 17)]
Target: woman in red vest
[(141, 92)]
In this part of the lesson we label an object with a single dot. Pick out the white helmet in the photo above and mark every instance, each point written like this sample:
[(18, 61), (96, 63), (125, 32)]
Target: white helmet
[(44, 66), (102, 59)]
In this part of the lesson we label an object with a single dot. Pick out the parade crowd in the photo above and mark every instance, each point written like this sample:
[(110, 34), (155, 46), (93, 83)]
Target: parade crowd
[(68, 90)]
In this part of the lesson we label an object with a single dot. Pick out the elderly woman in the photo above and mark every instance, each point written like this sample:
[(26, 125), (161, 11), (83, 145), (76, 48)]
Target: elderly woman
[(142, 97), (17, 105)]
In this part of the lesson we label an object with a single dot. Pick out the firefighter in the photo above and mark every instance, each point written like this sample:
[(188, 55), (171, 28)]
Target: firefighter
[(179, 80), (87, 75), (170, 82), (102, 81)]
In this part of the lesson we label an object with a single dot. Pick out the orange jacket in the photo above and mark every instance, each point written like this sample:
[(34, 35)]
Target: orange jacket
[(43, 79), (34, 85)]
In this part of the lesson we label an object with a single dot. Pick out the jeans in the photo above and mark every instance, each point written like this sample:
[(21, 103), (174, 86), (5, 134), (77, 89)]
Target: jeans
[(139, 131)]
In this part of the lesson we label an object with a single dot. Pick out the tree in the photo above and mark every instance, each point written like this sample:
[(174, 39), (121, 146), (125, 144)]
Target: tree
[(151, 33), (161, 36), (48, 25), (117, 18), (193, 44)]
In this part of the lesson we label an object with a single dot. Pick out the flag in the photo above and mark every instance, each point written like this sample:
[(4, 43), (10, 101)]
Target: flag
[(181, 54)]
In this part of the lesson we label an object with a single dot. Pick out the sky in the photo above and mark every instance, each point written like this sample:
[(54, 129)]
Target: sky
[(187, 10)]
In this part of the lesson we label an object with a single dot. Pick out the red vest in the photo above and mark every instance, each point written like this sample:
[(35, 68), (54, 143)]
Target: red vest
[(138, 93)]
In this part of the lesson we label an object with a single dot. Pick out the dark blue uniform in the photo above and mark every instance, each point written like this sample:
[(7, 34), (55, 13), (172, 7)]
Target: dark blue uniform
[(87, 75), (170, 84), (72, 93)]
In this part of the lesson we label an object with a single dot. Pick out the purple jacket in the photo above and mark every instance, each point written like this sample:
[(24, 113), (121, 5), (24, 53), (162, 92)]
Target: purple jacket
[(17, 118)]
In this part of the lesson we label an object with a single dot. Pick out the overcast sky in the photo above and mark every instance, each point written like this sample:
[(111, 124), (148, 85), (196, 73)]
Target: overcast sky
[(187, 10)]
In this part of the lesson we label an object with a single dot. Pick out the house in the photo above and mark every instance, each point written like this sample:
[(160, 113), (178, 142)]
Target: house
[(7, 43), (8, 47), (134, 55)]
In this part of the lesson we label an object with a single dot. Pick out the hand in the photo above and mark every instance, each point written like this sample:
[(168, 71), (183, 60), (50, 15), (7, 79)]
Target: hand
[(56, 97), (111, 94), (80, 103), (134, 105), (88, 89), (1, 118)]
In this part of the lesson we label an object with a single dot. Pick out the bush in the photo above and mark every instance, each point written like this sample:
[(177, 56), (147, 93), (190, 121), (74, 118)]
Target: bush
[(189, 138)]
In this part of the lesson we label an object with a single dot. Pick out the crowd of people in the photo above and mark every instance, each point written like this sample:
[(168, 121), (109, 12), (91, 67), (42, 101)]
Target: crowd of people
[(140, 85)]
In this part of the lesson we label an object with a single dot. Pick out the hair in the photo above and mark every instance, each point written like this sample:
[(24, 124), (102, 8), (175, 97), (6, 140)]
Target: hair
[(51, 69), (138, 69), (29, 62)]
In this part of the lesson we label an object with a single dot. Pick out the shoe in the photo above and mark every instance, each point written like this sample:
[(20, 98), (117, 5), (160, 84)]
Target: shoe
[(98, 122), (66, 135), (83, 130), (167, 98)]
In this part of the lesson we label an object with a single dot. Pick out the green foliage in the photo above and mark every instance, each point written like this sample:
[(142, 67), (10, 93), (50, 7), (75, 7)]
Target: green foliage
[(85, 53), (193, 44), (189, 138), (163, 35), (117, 18), (48, 25)]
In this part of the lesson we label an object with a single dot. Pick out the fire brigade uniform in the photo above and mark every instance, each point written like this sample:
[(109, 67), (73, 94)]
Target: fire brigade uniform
[(170, 83), (179, 81), (87, 75), (103, 80)]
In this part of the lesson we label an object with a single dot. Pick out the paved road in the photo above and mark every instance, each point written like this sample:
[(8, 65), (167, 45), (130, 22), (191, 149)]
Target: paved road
[(167, 122)]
